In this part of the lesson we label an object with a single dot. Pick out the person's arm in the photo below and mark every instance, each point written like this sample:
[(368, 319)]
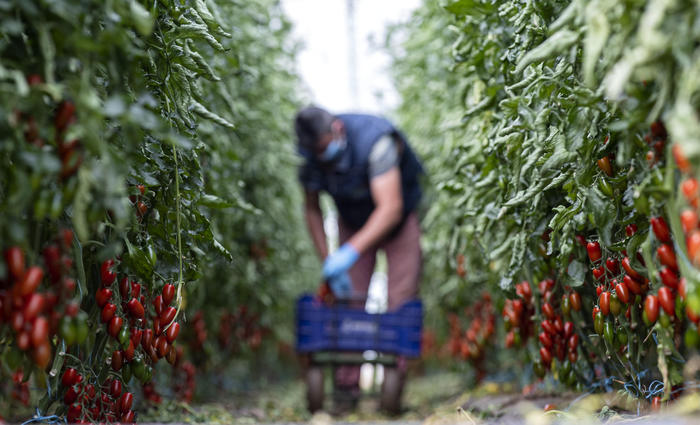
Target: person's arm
[(314, 221), (388, 200)]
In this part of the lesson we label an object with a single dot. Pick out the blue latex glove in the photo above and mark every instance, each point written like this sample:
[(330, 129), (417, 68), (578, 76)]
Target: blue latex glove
[(341, 285), (340, 261)]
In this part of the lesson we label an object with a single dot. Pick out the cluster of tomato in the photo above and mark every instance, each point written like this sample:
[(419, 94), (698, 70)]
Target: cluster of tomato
[(70, 152), (20, 388), (199, 326), (184, 382), (87, 403), (35, 315), (518, 313), (558, 337), (242, 324), (138, 201), (471, 344), (690, 225)]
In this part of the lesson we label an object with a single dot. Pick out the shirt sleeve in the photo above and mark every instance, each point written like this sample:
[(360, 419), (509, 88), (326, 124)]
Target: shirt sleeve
[(383, 157)]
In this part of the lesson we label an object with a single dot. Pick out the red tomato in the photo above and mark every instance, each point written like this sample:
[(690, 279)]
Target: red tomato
[(128, 417), (168, 293), (681, 160), (690, 190), (32, 279), (108, 312), (74, 412), (594, 252), (669, 277), (146, 338), (125, 287), (660, 228), (115, 325), (548, 311), (568, 329), (126, 401), (117, 361), (682, 288), (15, 261), (630, 271), (666, 256), (70, 377), (651, 307), (595, 311), (115, 388), (34, 306), (689, 220), (103, 296), (667, 300), (573, 342), (605, 165), (575, 301), (548, 327), (71, 395), (633, 285), (135, 308), (558, 325), (546, 356), (42, 354), (135, 290), (65, 115), (613, 266), (693, 245), (622, 292), (169, 314), (599, 273), (162, 346), (630, 229), (693, 316), (107, 274), (545, 339), (172, 332), (604, 302), (40, 331), (158, 304)]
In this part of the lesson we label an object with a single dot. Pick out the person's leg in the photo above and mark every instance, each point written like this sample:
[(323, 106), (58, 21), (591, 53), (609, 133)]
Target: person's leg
[(404, 267), (404, 262), (347, 378)]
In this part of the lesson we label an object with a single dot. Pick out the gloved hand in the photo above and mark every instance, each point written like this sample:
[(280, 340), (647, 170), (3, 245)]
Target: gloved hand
[(341, 285), (340, 261)]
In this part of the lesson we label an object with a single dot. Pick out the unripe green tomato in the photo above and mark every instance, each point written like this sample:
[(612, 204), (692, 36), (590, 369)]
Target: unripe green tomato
[(13, 357), (516, 338), (680, 308), (565, 305), (664, 319), (646, 320), (692, 339), (621, 336), (139, 369), (539, 369), (126, 373), (609, 333), (615, 305), (123, 337), (572, 381), (565, 367), (66, 330), (598, 323), (81, 328)]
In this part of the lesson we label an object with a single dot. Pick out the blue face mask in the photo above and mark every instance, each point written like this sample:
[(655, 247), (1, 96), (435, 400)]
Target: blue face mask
[(333, 150)]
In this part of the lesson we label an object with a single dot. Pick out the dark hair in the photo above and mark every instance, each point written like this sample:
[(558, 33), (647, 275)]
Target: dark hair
[(310, 123)]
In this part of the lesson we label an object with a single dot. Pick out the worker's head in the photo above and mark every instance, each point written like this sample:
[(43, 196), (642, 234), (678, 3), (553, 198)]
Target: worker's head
[(319, 133)]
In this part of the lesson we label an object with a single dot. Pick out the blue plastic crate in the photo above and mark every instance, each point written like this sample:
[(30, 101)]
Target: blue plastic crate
[(341, 328)]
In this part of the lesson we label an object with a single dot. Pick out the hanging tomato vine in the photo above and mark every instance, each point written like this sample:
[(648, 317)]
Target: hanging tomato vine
[(143, 159), (549, 133)]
